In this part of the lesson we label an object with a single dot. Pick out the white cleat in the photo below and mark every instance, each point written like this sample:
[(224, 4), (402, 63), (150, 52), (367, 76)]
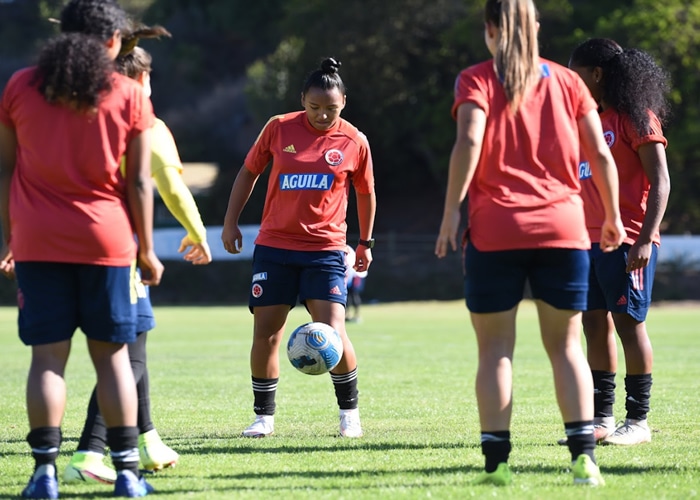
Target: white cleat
[(630, 433), (263, 426), (350, 426)]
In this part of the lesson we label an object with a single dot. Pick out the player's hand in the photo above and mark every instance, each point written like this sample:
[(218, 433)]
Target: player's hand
[(198, 254), (232, 239), (612, 234), (638, 256), (363, 258), (151, 268), (7, 262), (448, 233)]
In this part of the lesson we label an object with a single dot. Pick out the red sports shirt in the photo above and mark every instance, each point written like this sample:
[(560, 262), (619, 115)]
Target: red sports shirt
[(525, 192), (67, 196), (307, 192), (624, 141)]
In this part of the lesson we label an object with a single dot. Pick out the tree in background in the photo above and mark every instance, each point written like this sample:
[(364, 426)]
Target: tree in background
[(233, 63)]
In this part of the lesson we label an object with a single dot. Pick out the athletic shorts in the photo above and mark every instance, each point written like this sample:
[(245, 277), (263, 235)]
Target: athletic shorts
[(287, 276), (55, 299), (613, 289), (145, 320), (495, 281)]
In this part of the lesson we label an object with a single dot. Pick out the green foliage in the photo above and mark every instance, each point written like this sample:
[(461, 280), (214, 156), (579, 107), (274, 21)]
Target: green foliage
[(400, 58), (416, 379), (270, 81)]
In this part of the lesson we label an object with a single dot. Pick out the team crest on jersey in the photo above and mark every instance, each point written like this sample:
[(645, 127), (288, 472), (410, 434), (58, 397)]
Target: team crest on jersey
[(334, 157), (609, 136), (292, 182), (257, 290)]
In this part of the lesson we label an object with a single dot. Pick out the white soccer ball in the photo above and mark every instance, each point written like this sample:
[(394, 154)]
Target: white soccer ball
[(314, 348)]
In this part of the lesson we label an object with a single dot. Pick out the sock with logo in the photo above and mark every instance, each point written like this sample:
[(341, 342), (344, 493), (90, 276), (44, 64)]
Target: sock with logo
[(264, 391), (346, 392)]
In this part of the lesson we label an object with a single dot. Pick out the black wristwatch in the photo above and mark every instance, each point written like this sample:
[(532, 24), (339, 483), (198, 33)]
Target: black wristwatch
[(366, 243)]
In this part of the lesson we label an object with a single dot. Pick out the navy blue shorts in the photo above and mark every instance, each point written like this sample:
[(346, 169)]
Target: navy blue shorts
[(613, 289), (55, 299), (285, 276), (495, 281), (145, 319)]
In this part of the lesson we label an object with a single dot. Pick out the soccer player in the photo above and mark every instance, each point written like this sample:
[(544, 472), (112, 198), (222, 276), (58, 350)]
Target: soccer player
[(300, 249), (631, 91), (86, 464), (68, 220), (520, 122)]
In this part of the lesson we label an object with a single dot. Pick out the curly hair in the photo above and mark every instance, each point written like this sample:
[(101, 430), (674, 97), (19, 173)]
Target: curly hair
[(73, 68), (325, 78), (100, 18), (633, 83)]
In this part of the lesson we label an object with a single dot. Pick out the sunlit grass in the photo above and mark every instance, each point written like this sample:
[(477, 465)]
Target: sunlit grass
[(417, 366)]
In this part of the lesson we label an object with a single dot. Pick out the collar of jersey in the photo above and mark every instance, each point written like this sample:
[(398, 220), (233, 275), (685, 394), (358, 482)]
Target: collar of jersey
[(316, 131)]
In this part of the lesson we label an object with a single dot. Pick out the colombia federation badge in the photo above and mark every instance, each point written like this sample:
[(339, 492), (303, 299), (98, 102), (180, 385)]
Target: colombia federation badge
[(334, 157)]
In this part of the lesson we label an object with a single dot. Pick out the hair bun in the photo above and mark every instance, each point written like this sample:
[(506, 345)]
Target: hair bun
[(330, 65)]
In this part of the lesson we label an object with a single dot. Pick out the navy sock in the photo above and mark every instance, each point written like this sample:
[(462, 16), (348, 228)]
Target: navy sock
[(495, 446)]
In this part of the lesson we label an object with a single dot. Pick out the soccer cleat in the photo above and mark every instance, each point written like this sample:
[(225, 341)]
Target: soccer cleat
[(602, 428), (630, 433), (350, 426), (586, 472), (88, 467), (154, 454), (500, 477), (264, 425), (42, 484), (130, 486)]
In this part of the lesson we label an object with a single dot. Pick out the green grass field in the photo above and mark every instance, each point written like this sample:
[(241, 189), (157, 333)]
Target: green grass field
[(417, 367)]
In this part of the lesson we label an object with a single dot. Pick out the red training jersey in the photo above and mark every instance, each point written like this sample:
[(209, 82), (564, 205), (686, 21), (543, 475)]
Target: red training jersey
[(624, 141), (525, 191), (67, 196), (307, 192)]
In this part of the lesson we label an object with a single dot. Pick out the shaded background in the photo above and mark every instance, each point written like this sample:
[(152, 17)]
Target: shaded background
[(231, 64)]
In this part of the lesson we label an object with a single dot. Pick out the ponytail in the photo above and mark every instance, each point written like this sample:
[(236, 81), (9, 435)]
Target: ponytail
[(133, 60), (517, 54)]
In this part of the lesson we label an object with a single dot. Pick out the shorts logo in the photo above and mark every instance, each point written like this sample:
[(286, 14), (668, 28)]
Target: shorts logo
[(292, 182), (257, 291), (334, 157), (20, 299), (335, 291), (609, 137), (584, 170), (259, 277)]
